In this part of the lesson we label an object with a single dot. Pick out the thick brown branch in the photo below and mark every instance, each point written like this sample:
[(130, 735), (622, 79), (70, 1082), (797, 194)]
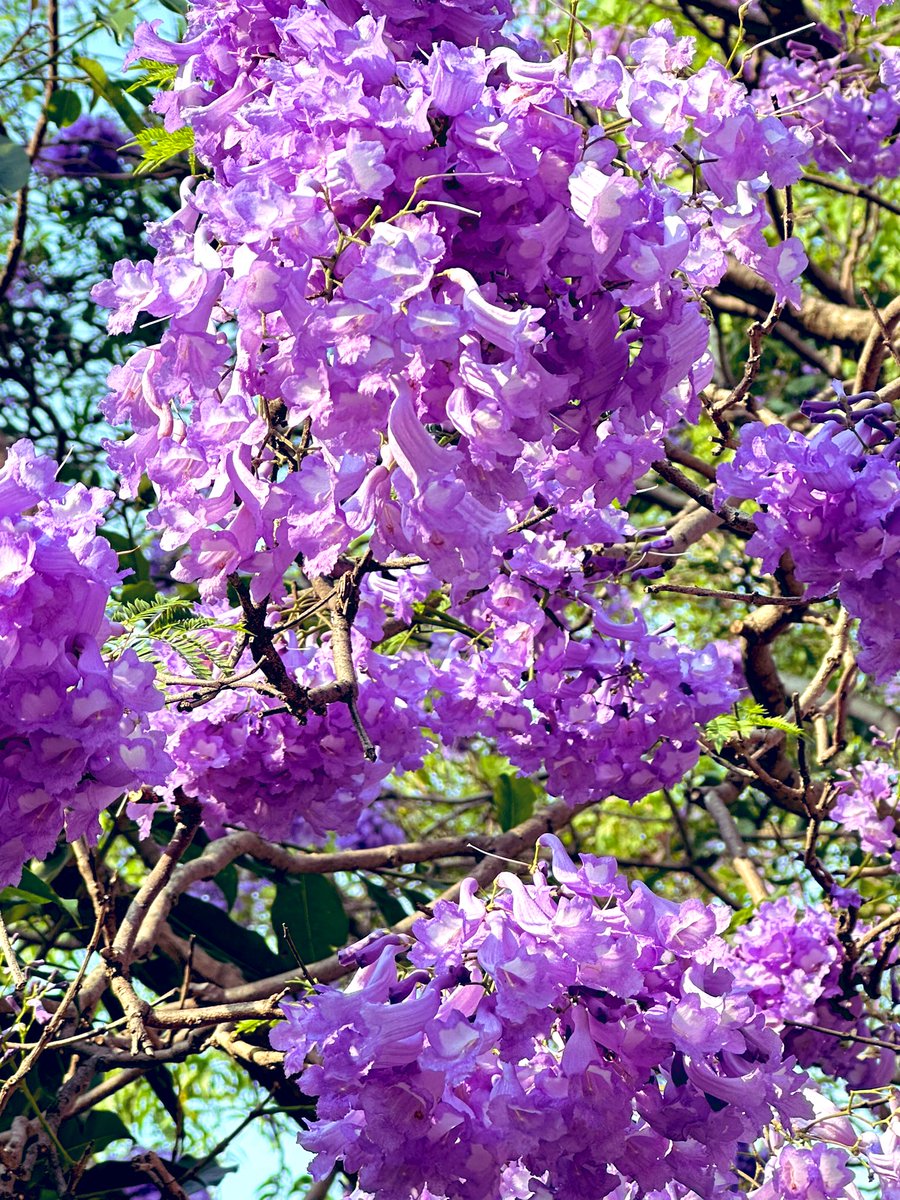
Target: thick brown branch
[(832, 323), (496, 850), (123, 946), (878, 343), (716, 801)]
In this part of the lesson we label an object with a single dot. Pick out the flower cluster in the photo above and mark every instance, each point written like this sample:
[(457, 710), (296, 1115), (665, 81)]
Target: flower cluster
[(376, 826), (253, 764), (613, 712), (74, 730), (844, 106), (819, 1173), (834, 503), (90, 146), (789, 963), (426, 260), (575, 1036), (416, 300), (866, 804)]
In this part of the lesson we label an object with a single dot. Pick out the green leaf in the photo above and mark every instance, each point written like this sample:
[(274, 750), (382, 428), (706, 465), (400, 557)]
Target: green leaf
[(112, 93), (389, 906), (109, 1179), (311, 908), (748, 715), (119, 18), (224, 938), (97, 1129), (741, 917), (204, 1173), (154, 74), (131, 612), (514, 799), (159, 146), (168, 619), (130, 556), (15, 166), (164, 1089), (227, 880), (142, 590), (65, 107), (33, 890)]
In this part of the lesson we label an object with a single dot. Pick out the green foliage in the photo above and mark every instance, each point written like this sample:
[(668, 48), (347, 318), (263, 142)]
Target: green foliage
[(15, 166), (161, 608), (514, 800), (119, 17), (64, 107), (311, 909), (624, 830), (158, 147), (31, 889), (224, 938), (94, 1131), (168, 619), (748, 716), (155, 74), (386, 902), (109, 90)]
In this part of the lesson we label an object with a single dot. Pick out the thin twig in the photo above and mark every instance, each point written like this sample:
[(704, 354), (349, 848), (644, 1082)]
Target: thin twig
[(880, 322), (861, 193), (846, 1037), (725, 512), (17, 240), (7, 1089), (123, 945), (18, 975), (754, 598)]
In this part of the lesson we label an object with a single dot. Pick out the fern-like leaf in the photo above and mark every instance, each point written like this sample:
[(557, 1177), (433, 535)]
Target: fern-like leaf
[(748, 716), (136, 611), (155, 74), (196, 652), (159, 146), (169, 620)]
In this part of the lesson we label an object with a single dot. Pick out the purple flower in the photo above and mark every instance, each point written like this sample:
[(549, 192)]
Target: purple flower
[(819, 1173), (75, 730), (512, 1052), (86, 148)]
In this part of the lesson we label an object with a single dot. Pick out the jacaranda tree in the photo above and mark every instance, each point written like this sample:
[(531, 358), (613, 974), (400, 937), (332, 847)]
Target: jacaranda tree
[(451, 713)]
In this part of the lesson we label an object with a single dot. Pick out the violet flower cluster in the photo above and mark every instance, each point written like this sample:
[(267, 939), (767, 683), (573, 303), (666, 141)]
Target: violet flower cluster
[(789, 963), (837, 1158), (74, 728), (833, 502), (577, 1036), (414, 244), (375, 826), (848, 103), (866, 805), (614, 712), (89, 147), (817, 1173), (416, 302), (253, 764)]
